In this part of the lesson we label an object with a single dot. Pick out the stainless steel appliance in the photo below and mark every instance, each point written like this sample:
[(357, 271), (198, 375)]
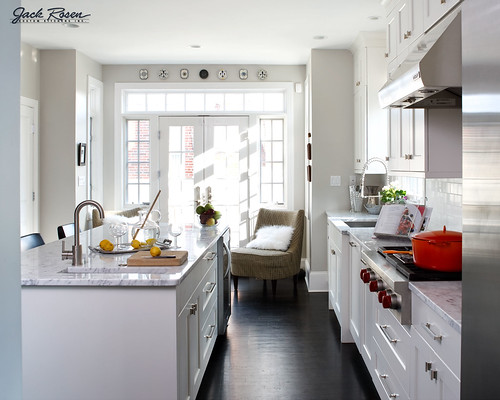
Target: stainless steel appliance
[(431, 75), (481, 199), (389, 274), (224, 279)]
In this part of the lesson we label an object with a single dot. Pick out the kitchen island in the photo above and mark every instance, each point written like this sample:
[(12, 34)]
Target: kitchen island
[(139, 333)]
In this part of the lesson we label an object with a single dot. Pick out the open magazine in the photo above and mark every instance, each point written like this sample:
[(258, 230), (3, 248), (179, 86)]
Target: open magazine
[(402, 220)]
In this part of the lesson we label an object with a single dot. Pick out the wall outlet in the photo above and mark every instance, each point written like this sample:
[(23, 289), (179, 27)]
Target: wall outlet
[(334, 180)]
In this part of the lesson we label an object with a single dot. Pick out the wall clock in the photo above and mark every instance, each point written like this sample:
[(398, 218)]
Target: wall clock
[(203, 74), (143, 74), (163, 74), (184, 73)]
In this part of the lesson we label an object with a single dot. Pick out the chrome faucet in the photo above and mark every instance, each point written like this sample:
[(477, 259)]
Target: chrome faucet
[(371, 160), (77, 247)]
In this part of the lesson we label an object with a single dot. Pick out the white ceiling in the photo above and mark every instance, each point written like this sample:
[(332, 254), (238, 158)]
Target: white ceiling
[(230, 32)]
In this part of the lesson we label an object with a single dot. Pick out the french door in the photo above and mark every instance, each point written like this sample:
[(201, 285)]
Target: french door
[(206, 159)]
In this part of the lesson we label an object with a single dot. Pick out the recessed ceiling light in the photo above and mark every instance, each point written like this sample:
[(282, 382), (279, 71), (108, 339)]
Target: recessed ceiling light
[(195, 46), (319, 37), (71, 25), (374, 18)]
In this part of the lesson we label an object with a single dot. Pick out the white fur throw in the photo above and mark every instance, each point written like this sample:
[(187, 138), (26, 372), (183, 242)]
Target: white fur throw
[(273, 237)]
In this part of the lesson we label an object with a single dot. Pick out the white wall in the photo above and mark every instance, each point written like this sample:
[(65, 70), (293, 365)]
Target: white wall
[(113, 74), (30, 72), (63, 124), (330, 74), (10, 281)]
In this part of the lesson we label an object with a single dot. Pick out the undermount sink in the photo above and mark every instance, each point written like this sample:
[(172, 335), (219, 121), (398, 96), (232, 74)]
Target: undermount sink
[(361, 224)]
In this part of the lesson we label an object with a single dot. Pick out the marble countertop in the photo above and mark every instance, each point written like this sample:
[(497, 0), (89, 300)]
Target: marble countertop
[(43, 266), (444, 297)]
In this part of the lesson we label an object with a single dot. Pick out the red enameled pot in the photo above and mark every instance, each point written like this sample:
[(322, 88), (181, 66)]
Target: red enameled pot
[(438, 250)]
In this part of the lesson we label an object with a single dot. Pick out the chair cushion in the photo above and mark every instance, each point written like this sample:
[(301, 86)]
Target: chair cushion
[(262, 264), (273, 237)]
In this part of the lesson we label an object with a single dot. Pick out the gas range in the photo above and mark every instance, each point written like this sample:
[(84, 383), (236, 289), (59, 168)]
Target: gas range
[(389, 275)]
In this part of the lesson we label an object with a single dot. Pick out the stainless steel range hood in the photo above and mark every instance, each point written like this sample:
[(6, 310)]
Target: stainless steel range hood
[(431, 75)]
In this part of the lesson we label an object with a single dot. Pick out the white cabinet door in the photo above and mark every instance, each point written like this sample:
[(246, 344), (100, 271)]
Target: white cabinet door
[(357, 293), (434, 10), (433, 380), (417, 141), (392, 34), (360, 115)]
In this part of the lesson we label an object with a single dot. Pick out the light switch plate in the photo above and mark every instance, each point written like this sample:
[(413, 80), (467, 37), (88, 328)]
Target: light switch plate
[(335, 180)]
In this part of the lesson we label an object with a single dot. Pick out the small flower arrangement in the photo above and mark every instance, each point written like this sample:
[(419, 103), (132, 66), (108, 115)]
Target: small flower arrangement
[(391, 194)]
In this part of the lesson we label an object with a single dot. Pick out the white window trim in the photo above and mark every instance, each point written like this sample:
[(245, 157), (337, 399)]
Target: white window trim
[(119, 124)]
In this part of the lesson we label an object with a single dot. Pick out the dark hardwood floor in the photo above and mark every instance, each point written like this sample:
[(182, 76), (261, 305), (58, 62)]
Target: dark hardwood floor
[(284, 347)]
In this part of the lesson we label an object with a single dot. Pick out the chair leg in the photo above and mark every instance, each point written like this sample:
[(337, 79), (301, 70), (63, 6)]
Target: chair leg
[(273, 283), (295, 280), (235, 282)]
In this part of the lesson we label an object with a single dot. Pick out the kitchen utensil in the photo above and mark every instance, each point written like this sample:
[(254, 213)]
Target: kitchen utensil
[(146, 218), (397, 252), (143, 258), (438, 250)]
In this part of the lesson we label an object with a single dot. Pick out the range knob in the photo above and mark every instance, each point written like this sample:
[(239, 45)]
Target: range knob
[(362, 273), (368, 276), (376, 285), (390, 301), (382, 294)]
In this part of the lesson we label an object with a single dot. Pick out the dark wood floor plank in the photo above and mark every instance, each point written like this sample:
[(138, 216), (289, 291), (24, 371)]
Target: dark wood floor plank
[(285, 346)]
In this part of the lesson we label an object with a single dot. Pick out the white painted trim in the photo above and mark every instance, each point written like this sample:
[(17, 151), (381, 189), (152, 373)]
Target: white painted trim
[(316, 281), (36, 157)]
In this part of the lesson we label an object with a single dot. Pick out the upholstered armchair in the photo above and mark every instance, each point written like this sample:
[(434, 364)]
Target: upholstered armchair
[(271, 264)]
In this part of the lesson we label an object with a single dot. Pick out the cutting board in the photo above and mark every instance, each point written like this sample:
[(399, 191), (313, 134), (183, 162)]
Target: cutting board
[(145, 259)]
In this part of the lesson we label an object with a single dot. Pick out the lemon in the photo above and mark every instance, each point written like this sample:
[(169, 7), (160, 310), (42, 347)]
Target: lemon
[(150, 242), (106, 245), (210, 221), (135, 244), (155, 251)]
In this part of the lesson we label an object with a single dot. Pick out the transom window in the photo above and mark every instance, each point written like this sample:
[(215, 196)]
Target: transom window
[(213, 102)]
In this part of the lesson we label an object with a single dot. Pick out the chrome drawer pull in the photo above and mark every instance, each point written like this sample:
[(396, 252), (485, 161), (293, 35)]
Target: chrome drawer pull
[(352, 244), (391, 340), (434, 374), (210, 256), (192, 309), (428, 366), (391, 395), (209, 287), (427, 328), (211, 334)]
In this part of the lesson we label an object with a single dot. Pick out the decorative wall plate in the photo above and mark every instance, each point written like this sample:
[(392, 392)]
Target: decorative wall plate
[(222, 74), (143, 74), (184, 73), (243, 73), (203, 74), (262, 74), (163, 74)]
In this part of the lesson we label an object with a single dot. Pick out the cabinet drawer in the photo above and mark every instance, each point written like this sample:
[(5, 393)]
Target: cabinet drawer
[(208, 335), (433, 379), (395, 342), (208, 287), (440, 336), (385, 380)]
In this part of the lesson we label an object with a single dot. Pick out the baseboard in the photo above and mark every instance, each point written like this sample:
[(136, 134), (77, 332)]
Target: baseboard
[(316, 281)]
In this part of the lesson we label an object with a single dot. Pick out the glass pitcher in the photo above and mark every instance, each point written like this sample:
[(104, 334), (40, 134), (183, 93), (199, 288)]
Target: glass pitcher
[(150, 230)]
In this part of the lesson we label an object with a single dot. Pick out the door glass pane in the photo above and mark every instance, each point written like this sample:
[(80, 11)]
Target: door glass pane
[(277, 129), (277, 151), (174, 138)]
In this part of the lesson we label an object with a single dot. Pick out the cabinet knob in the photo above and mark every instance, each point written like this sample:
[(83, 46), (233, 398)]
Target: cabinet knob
[(358, 83), (386, 55), (387, 159), (333, 252)]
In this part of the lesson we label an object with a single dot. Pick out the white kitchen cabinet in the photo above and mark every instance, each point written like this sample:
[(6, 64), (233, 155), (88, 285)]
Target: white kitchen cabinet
[(404, 24), (197, 324), (433, 379), (338, 278), (370, 120), (388, 386), (434, 10), (356, 293), (428, 142)]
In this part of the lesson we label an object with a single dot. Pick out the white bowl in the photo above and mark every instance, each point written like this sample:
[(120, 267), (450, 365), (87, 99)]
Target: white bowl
[(373, 209)]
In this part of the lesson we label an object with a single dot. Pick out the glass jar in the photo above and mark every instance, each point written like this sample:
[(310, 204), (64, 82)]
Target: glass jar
[(150, 230)]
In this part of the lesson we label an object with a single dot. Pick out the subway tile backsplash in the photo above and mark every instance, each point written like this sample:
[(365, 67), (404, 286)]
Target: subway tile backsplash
[(443, 195), (445, 198)]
